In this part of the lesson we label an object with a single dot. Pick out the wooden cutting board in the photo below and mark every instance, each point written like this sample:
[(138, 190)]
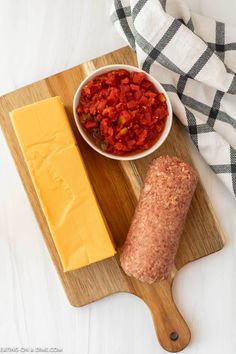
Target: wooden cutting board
[(117, 186)]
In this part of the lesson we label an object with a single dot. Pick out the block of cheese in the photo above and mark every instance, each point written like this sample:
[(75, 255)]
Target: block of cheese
[(75, 220)]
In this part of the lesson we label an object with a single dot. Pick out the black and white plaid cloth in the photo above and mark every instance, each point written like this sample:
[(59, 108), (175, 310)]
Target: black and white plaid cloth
[(194, 58)]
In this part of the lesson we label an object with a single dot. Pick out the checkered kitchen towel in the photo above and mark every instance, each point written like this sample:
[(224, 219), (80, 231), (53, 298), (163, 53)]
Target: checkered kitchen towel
[(194, 58)]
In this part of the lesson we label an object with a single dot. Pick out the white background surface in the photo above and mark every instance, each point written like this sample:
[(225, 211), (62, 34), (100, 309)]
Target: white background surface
[(39, 38)]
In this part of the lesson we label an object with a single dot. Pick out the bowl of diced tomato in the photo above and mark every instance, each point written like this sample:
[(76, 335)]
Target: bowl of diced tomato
[(122, 112)]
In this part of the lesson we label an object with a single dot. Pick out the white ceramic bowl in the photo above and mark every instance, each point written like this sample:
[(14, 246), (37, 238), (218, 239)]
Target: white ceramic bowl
[(89, 140)]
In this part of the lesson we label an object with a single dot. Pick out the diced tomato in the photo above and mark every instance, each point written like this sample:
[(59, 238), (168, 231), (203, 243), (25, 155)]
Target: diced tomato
[(138, 77), (150, 94), (137, 95), (92, 109), (122, 111), (160, 126), (143, 100), (106, 129), (101, 106), (132, 104), (91, 124), (124, 88), (120, 106), (110, 140), (134, 87), (121, 147), (99, 117), (146, 84), (122, 73), (131, 143), (125, 80), (111, 80), (161, 112), (109, 112), (112, 99), (142, 137), (86, 90), (146, 119)]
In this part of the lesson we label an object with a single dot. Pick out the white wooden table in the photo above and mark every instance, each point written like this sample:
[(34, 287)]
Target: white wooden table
[(39, 38)]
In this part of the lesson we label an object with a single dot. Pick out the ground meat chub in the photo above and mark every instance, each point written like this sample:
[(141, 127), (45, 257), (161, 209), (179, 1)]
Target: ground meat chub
[(150, 248)]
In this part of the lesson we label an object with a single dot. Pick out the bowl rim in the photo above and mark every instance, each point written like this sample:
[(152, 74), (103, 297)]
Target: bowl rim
[(135, 156)]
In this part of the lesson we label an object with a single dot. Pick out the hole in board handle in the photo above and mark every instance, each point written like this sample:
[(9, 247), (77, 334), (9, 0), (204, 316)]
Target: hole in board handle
[(174, 336)]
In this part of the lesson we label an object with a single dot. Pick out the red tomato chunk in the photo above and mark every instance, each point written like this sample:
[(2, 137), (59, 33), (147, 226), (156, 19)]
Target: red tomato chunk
[(122, 111)]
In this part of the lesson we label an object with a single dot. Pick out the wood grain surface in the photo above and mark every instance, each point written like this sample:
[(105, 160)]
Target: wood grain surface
[(117, 186)]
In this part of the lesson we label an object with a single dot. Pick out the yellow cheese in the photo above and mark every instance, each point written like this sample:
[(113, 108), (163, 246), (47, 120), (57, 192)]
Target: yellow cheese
[(75, 220)]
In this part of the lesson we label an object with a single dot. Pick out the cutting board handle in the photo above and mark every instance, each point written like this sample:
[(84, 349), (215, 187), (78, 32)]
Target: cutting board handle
[(172, 330)]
